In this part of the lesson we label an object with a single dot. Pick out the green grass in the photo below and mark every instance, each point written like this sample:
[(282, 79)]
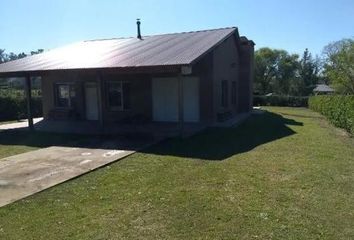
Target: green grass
[(286, 174), (11, 92)]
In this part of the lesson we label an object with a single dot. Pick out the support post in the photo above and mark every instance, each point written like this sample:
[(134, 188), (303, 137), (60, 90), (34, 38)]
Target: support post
[(28, 90), (180, 105), (100, 96)]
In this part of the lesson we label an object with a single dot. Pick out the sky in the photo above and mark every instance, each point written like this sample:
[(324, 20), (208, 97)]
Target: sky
[(27, 25)]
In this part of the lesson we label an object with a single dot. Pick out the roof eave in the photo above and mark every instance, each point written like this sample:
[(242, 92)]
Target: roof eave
[(122, 70)]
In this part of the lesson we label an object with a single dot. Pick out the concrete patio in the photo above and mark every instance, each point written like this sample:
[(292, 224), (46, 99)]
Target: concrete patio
[(25, 174), (23, 123)]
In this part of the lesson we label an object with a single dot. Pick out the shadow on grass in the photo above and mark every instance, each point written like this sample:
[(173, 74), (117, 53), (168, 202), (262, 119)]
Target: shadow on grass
[(221, 143), (211, 144)]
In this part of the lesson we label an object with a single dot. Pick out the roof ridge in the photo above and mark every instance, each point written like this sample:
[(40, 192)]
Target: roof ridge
[(205, 30), (162, 34), (107, 39)]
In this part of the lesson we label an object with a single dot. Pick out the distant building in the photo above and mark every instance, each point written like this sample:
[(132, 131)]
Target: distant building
[(323, 89)]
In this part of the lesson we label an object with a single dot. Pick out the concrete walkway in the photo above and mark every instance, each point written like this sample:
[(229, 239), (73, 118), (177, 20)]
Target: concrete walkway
[(20, 124), (28, 173)]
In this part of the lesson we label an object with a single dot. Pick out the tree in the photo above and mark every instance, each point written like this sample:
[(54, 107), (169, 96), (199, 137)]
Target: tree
[(265, 70), (275, 71), (2, 56), (11, 56), (37, 52), (286, 77), (21, 55), (339, 65), (309, 69)]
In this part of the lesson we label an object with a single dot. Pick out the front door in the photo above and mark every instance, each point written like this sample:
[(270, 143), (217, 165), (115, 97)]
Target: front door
[(91, 100)]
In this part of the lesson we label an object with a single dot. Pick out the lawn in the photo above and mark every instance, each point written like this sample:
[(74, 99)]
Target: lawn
[(285, 174)]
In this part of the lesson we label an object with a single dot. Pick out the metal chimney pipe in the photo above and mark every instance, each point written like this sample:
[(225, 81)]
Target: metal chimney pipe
[(138, 25)]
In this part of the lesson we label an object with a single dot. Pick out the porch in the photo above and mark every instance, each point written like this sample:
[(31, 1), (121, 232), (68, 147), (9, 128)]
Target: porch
[(116, 99), (155, 130)]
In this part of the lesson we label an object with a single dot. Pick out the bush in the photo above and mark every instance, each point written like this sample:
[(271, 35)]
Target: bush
[(14, 108), (338, 109), (277, 100)]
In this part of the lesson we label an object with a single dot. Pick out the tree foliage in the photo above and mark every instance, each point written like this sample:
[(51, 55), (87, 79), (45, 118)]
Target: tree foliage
[(265, 69), (286, 73), (6, 57), (309, 70), (282, 73), (339, 109), (339, 65), (2, 56)]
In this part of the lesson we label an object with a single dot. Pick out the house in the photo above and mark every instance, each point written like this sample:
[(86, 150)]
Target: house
[(199, 77), (323, 89)]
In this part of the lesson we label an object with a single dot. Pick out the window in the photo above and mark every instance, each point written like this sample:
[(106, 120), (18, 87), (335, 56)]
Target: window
[(234, 93), (118, 96), (65, 95), (224, 94)]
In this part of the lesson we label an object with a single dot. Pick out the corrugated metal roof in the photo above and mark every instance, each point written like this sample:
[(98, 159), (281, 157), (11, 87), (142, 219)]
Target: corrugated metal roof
[(157, 50), (323, 88)]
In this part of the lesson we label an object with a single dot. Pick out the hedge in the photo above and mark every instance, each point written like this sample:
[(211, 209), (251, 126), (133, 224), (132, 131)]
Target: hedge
[(338, 109), (278, 100), (14, 108)]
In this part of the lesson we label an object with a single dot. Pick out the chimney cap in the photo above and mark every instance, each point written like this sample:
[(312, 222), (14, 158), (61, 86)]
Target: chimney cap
[(138, 28)]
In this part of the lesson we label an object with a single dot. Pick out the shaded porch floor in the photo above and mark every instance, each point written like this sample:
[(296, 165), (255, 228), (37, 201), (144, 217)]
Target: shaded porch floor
[(152, 129), (156, 130)]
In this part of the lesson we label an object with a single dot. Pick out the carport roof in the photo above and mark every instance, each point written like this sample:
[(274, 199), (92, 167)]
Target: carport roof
[(158, 50)]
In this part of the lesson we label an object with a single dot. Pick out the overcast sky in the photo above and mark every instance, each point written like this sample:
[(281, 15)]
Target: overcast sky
[(291, 25)]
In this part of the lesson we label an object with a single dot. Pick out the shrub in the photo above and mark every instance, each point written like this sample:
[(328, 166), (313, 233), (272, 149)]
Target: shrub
[(14, 108), (338, 109), (277, 100)]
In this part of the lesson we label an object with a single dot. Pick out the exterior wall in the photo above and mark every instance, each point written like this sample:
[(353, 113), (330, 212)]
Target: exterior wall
[(245, 100), (140, 94), (225, 67), (140, 98), (204, 70), (48, 82), (232, 60), (47, 95)]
